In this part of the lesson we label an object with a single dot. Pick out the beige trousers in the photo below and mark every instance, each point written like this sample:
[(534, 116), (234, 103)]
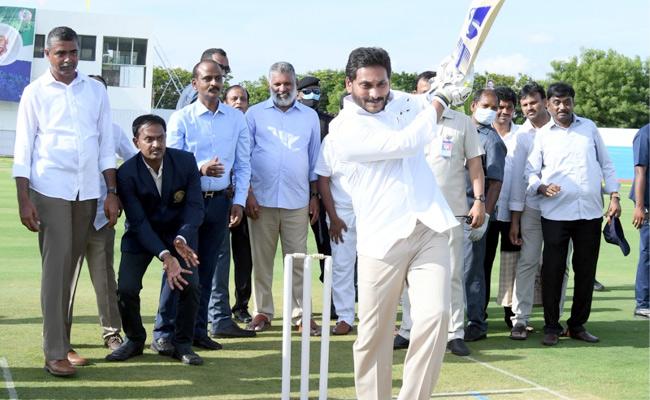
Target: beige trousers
[(99, 257), (291, 227), (421, 262), (62, 238)]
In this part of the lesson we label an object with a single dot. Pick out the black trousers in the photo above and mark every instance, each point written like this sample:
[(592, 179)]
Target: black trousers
[(495, 229), (322, 238), (241, 256), (129, 284), (585, 235)]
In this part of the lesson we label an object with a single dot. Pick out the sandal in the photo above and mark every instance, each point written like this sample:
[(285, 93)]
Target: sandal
[(259, 323)]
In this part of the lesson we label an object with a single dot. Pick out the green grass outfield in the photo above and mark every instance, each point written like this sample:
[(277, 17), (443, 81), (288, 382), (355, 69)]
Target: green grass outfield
[(499, 368)]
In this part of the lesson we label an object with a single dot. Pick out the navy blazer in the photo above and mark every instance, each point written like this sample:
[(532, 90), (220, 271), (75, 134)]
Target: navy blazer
[(152, 220)]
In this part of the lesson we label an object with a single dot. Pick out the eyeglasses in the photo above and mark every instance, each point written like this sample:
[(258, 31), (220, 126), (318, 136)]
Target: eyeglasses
[(467, 218), (225, 68), (309, 91)]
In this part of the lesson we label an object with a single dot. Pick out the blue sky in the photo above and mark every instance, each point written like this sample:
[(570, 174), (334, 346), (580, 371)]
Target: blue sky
[(525, 37)]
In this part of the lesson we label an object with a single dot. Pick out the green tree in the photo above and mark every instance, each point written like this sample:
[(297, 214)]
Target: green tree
[(404, 81), (258, 90), (611, 88), (164, 94)]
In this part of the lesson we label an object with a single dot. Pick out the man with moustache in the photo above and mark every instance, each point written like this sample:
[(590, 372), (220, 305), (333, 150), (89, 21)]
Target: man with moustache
[(161, 193), (64, 138), (525, 216), (285, 138), (402, 221), (566, 167), (217, 135), (189, 94), (484, 109), (236, 96)]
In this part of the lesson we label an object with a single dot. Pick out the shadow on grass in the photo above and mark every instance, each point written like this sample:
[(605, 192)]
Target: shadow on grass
[(246, 369)]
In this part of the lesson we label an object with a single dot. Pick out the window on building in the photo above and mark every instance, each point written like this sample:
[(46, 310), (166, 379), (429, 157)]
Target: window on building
[(39, 46), (123, 61), (87, 44)]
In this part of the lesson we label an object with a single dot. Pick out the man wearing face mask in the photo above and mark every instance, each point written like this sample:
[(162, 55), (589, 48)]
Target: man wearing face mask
[(309, 94), (484, 110)]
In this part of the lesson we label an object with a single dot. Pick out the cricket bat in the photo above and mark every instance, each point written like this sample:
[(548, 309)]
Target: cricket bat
[(476, 26)]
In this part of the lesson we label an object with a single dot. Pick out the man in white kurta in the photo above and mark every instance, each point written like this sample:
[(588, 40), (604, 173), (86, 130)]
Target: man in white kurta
[(402, 226)]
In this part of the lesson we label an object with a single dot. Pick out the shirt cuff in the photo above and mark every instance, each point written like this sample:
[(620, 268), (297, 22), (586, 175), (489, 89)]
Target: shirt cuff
[(516, 206), (181, 238), (162, 254), (21, 171), (107, 163)]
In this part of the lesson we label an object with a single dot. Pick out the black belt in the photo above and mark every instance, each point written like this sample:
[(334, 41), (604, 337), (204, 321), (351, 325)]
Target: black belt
[(214, 193)]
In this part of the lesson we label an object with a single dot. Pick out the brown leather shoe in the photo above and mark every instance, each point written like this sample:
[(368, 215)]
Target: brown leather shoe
[(259, 323), (550, 339), (341, 328), (584, 336), (76, 360), (59, 367), (314, 328)]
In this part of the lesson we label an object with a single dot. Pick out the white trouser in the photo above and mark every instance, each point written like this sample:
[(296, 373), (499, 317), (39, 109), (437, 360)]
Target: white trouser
[(344, 256), (529, 265), (457, 306)]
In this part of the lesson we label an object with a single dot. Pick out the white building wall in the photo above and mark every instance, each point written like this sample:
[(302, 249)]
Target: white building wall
[(126, 103)]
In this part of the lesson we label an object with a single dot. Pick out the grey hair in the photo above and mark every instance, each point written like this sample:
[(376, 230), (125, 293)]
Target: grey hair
[(282, 67), (62, 34)]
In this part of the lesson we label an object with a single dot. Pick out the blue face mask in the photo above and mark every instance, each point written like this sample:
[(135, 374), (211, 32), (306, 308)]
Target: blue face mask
[(311, 96)]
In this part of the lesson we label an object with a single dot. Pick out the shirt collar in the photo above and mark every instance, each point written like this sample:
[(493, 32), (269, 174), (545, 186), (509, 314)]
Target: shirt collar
[(199, 108), (268, 103), (576, 121), (154, 173), (49, 78)]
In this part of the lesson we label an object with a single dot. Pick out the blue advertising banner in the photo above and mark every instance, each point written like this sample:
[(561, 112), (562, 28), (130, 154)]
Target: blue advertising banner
[(16, 50)]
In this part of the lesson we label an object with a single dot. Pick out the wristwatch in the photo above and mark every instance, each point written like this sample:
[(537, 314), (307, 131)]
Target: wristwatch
[(111, 190), (480, 198)]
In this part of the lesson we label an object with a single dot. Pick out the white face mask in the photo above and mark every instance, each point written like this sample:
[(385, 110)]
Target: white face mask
[(485, 116)]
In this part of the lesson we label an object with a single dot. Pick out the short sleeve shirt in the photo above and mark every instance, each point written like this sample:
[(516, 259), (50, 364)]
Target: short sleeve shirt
[(640, 147)]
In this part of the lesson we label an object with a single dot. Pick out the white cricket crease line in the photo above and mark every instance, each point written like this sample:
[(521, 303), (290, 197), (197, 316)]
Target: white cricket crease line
[(487, 392), (519, 378), (9, 382)]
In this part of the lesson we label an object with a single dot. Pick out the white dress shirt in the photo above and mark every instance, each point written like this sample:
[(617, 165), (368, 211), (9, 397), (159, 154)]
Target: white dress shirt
[(391, 184), (576, 159), (330, 166), (64, 137), (510, 140), (124, 149), (519, 196)]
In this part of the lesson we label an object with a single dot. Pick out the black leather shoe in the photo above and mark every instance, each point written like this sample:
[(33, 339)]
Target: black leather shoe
[(473, 334), (188, 357), (127, 350), (206, 343), (519, 332), (232, 331), (400, 342), (163, 346), (584, 336), (550, 339), (458, 347), (598, 287), (242, 316)]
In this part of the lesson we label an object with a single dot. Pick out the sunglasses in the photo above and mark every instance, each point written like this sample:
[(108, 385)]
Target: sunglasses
[(225, 68), (309, 91), (467, 218)]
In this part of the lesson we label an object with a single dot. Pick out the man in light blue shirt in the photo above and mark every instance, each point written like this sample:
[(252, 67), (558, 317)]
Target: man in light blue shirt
[(285, 141), (218, 137)]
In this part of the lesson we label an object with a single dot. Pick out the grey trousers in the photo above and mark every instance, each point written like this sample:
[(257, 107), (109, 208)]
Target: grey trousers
[(99, 257), (62, 239)]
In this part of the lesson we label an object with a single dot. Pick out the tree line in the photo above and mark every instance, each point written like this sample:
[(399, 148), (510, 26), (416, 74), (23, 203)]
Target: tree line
[(612, 89)]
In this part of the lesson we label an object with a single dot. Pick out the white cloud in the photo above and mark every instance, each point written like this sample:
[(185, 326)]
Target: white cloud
[(540, 38), (511, 64)]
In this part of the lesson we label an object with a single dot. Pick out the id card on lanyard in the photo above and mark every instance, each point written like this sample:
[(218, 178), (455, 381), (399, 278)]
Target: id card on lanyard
[(446, 147)]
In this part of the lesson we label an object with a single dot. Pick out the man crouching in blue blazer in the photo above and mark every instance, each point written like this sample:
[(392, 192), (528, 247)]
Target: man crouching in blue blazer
[(160, 191)]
